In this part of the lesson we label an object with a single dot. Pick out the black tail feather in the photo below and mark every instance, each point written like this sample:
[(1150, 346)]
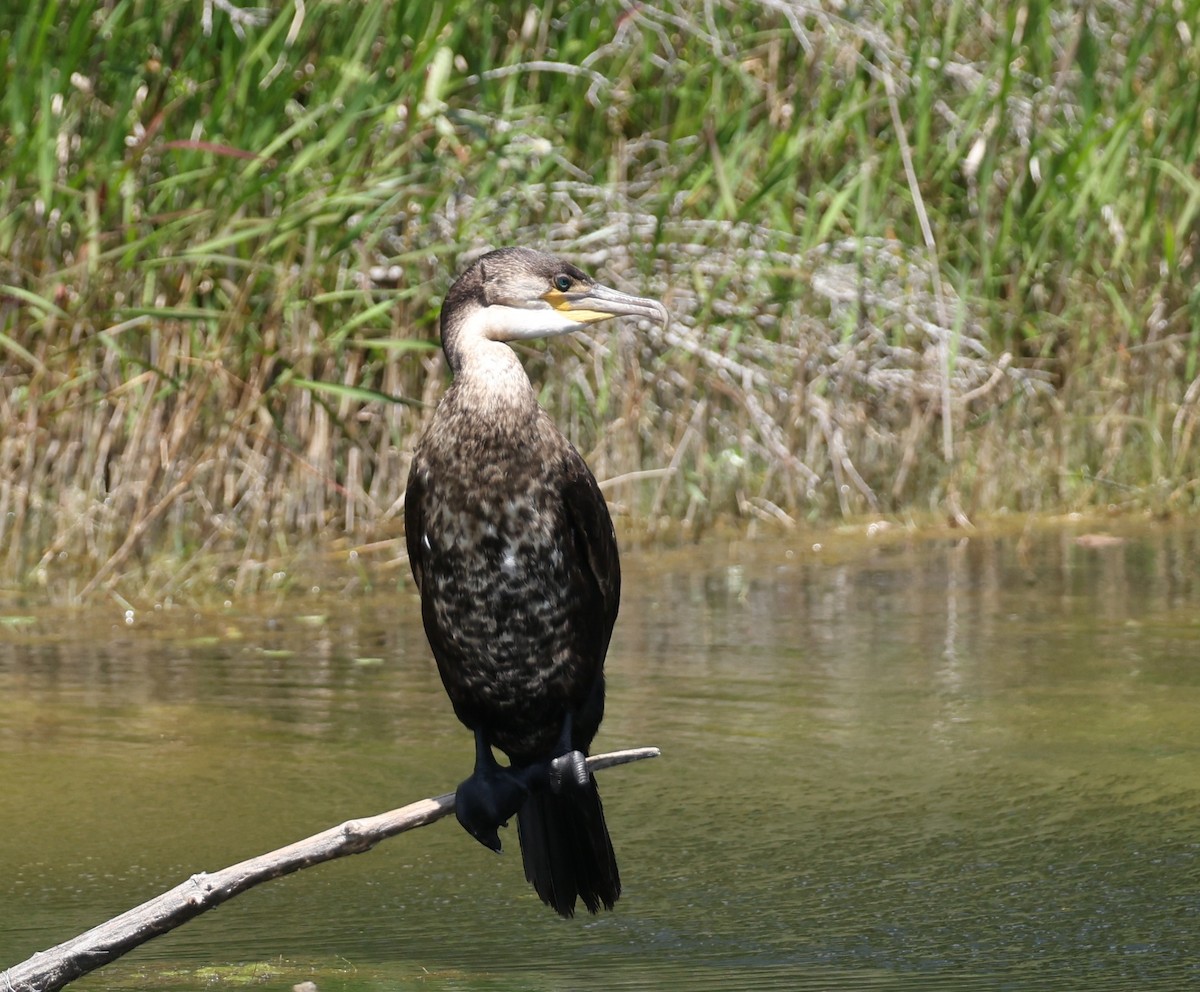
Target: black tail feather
[(567, 850)]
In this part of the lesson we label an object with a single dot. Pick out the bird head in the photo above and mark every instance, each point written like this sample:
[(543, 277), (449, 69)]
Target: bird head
[(515, 294)]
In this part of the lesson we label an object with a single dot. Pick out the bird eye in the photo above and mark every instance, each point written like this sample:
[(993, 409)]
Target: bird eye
[(562, 282)]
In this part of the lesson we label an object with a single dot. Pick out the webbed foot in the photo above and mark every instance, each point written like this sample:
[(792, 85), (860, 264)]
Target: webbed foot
[(490, 797), (569, 772)]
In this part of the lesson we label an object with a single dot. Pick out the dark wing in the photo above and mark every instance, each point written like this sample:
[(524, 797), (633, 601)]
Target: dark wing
[(595, 542), (417, 541), (414, 519)]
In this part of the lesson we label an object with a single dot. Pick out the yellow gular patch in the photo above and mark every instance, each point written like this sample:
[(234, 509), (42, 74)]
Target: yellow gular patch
[(588, 316), (564, 306), (556, 300)]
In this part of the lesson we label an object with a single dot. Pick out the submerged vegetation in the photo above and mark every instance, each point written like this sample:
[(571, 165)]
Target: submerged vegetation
[(921, 257)]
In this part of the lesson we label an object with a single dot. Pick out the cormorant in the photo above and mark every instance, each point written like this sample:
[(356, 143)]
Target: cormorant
[(515, 559)]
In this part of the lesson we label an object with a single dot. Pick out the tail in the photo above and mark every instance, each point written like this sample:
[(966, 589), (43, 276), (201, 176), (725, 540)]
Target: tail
[(566, 849)]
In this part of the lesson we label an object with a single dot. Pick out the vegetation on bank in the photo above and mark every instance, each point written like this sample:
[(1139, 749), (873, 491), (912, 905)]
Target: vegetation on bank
[(921, 256)]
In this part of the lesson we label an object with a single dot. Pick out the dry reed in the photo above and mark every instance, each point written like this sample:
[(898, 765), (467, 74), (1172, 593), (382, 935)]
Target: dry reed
[(218, 315)]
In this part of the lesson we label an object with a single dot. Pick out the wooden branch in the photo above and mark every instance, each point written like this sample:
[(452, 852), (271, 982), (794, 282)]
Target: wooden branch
[(52, 969)]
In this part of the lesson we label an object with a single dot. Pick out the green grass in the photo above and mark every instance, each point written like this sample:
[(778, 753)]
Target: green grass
[(222, 255)]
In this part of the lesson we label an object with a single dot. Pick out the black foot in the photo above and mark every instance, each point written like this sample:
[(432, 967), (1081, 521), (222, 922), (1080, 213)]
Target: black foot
[(483, 805), (569, 772), (489, 798)]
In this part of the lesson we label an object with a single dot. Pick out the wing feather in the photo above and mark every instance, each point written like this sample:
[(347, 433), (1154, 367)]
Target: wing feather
[(414, 520), (592, 526)]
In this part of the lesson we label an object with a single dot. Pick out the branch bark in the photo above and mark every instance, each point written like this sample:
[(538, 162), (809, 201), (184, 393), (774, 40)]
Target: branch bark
[(52, 969)]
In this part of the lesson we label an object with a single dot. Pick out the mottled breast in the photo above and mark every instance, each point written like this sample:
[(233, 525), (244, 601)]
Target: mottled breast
[(500, 584)]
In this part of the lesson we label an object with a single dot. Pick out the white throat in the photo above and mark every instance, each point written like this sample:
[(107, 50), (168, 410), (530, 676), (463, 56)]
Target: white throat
[(516, 323), (492, 375)]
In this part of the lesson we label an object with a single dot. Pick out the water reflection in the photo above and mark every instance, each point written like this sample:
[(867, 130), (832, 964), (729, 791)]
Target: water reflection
[(915, 763)]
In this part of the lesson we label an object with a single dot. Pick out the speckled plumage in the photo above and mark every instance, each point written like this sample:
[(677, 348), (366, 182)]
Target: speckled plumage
[(518, 619), (515, 557)]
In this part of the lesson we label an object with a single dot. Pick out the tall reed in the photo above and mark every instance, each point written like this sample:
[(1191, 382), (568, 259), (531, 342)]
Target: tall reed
[(930, 258)]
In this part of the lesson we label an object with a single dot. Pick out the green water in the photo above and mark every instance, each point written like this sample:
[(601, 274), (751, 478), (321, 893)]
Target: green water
[(895, 763)]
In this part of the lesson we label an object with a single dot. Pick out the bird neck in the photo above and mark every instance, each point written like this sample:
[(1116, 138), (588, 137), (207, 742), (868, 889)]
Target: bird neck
[(489, 376)]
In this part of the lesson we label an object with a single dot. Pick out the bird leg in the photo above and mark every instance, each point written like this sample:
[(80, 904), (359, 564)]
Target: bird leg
[(493, 794), (568, 770), (490, 797)]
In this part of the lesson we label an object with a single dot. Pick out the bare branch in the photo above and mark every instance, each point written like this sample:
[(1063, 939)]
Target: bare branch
[(52, 969)]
